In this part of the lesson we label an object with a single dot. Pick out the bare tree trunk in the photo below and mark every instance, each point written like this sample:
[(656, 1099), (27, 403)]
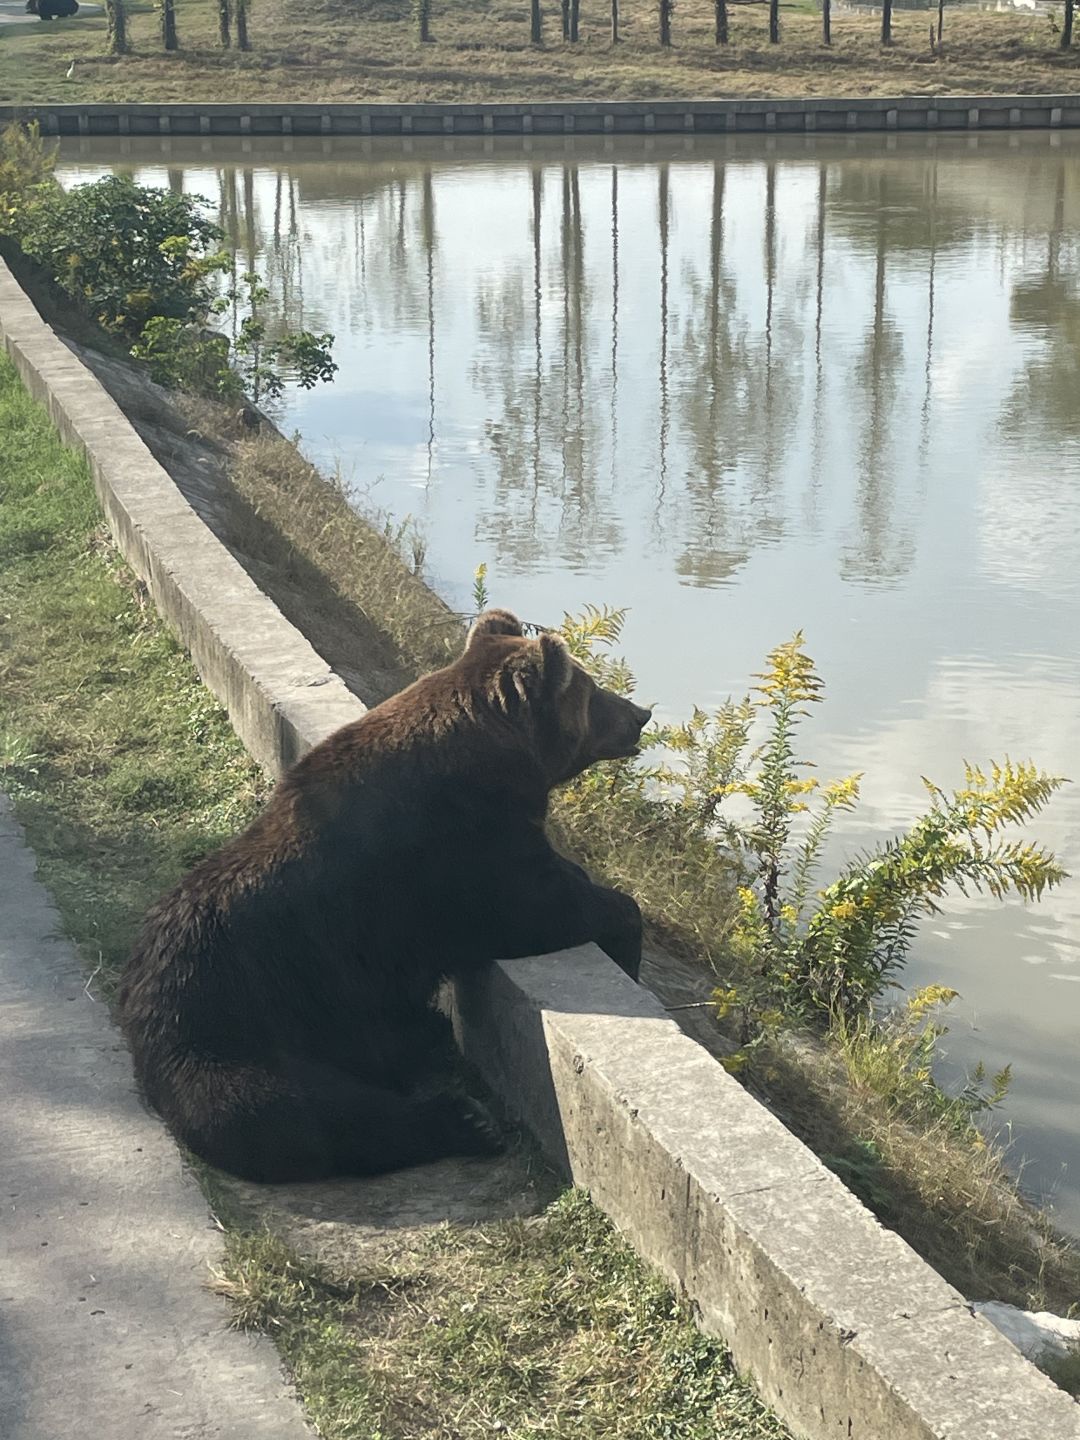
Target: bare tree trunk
[(614, 314), (886, 22), (536, 26), (427, 224), (722, 22), (614, 22), (575, 10), (664, 215), (537, 198), (117, 42), (168, 24), (423, 20), (826, 22), (224, 15), (566, 19), (1067, 27), (666, 7), (774, 22), (240, 12), (940, 20)]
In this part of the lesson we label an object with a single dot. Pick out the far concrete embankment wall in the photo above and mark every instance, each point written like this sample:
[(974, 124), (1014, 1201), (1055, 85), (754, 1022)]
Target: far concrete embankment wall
[(849, 1334), (926, 113)]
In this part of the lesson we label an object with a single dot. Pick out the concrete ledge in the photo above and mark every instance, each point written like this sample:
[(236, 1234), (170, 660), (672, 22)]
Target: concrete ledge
[(281, 696), (849, 1334), (580, 117)]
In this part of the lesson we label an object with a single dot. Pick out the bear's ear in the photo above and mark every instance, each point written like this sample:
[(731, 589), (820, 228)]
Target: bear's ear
[(556, 662), (493, 622)]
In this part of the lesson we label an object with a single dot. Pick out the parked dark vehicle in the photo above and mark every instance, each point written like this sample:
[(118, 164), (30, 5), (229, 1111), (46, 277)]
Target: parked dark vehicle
[(52, 9)]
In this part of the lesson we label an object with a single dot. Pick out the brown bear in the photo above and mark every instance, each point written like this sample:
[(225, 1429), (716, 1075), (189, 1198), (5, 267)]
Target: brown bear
[(279, 1002)]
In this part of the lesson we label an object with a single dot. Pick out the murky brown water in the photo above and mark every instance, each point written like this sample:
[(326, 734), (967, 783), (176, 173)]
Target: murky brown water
[(742, 387)]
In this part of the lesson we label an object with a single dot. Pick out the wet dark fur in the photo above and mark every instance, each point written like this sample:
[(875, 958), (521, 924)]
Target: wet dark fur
[(278, 1001)]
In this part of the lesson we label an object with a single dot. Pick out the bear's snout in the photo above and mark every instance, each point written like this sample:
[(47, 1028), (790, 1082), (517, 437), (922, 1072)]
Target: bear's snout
[(641, 715), (618, 727), (637, 717)]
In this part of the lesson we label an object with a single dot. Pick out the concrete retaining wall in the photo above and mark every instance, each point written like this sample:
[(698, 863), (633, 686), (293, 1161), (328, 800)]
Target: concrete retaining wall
[(903, 113), (849, 1334)]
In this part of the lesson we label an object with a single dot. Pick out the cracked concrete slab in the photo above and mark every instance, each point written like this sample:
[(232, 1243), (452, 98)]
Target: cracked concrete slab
[(106, 1325)]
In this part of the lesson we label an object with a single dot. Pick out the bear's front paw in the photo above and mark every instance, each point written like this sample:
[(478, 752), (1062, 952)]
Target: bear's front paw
[(477, 1131)]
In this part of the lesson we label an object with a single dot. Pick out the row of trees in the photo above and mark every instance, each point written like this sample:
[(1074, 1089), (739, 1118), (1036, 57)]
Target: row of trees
[(232, 19)]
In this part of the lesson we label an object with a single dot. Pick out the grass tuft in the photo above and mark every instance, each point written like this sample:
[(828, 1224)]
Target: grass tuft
[(373, 565)]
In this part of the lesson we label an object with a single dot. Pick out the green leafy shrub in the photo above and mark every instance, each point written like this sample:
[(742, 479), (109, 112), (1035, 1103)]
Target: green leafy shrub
[(188, 357), (147, 264), (262, 359), (128, 253)]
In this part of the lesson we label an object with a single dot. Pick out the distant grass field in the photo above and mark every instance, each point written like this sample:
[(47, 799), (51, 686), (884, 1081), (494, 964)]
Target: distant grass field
[(355, 50)]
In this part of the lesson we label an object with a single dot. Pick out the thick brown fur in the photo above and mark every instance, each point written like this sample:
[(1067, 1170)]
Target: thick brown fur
[(278, 1002)]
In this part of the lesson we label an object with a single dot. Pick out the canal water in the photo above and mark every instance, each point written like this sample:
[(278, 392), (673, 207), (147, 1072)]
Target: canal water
[(743, 386)]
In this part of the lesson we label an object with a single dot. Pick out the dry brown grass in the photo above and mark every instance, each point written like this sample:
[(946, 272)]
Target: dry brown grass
[(371, 564), (947, 1192), (327, 50)]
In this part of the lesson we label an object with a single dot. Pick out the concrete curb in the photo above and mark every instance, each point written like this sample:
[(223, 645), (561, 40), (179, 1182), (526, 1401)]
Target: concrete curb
[(848, 1333), (588, 117), (107, 1328)]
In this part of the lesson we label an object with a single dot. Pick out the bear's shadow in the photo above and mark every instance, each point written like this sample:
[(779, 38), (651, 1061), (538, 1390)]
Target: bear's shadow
[(346, 1222)]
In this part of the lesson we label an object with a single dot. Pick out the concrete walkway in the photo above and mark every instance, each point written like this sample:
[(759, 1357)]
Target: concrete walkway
[(106, 1327)]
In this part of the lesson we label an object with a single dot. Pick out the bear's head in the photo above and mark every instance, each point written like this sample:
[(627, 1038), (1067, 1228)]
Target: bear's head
[(538, 686)]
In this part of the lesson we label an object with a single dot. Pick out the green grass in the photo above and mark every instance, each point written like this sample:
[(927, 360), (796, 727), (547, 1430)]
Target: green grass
[(121, 766), (124, 771), (549, 1327)]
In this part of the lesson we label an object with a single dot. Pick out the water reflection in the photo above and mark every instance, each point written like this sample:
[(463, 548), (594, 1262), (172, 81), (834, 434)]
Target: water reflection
[(744, 386)]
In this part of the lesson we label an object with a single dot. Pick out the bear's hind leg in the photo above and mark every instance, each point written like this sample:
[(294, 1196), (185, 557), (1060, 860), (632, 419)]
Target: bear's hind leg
[(312, 1122)]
